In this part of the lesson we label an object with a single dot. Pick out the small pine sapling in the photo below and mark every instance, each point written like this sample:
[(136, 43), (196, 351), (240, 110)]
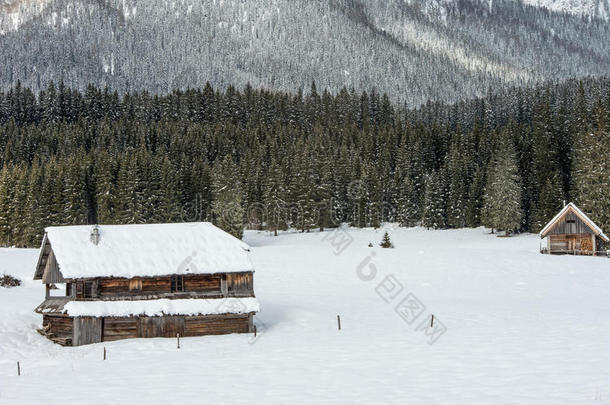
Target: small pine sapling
[(386, 243)]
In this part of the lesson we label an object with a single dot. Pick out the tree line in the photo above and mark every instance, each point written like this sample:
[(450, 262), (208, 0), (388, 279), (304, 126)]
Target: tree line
[(276, 160)]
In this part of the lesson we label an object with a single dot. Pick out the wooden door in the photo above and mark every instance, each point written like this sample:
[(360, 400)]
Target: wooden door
[(87, 329)]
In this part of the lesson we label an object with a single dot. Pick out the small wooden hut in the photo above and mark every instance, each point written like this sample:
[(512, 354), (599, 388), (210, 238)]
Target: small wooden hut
[(160, 280), (572, 232)]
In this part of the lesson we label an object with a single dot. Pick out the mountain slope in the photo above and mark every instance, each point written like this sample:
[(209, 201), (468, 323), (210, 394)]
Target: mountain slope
[(592, 8), (413, 50)]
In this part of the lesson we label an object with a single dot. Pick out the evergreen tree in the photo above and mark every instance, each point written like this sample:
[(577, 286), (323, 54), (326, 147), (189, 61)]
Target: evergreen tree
[(592, 172), (274, 195), (75, 192), (169, 205), (35, 213), (434, 210), (105, 189), (227, 209), (386, 242), (502, 199), (457, 200), (7, 195)]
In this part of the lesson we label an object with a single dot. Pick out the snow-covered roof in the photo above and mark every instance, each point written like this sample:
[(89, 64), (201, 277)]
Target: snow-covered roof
[(146, 250), (150, 307), (572, 207), (162, 307)]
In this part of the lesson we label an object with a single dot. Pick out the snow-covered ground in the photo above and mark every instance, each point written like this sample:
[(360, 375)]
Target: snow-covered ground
[(521, 327)]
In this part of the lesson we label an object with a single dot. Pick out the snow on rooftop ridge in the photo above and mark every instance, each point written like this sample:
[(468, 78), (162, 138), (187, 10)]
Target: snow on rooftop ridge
[(162, 307), (147, 250), (592, 224)]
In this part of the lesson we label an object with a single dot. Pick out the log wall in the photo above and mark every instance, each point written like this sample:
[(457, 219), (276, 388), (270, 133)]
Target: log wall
[(202, 283), (79, 331), (240, 283), (216, 324), (58, 328), (215, 285), (119, 328), (582, 243), (169, 326)]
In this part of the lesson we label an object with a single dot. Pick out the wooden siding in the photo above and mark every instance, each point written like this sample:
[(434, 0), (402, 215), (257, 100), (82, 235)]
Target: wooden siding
[(216, 324), (87, 330), (195, 285), (57, 328), (580, 243), (51, 273), (240, 283), (156, 284), (113, 286), (161, 326), (78, 331), (119, 328), (202, 282), (570, 224), (45, 250)]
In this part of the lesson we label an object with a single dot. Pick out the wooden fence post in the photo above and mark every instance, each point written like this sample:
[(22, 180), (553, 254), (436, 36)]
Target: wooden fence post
[(339, 322), (178, 339), (254, 330), (18, 370), (104, 353), (432, 321)]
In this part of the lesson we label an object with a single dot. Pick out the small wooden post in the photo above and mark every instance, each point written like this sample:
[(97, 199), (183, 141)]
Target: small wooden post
[(254, 330), (339, 322), (178, 339), (104, 353), (18, 370), (432, 321)]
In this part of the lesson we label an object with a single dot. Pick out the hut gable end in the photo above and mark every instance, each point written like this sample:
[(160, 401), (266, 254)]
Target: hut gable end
[(47, 268), (572, 221)]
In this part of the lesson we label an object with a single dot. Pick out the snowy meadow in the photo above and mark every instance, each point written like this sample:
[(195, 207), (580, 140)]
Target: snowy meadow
[(510, 326)]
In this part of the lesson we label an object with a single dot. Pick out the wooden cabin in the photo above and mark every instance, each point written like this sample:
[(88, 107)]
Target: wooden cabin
[(159, 280), (572, 232)]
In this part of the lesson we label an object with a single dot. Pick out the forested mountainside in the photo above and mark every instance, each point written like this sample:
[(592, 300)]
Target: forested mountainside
[(275, 160), (591, 8), (414, 51)]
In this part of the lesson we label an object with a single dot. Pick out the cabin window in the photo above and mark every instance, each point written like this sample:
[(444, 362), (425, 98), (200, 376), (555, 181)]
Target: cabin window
[(88, 290), (177, 283), (135, 285), (571, 221), (68, 289), (84, 289)]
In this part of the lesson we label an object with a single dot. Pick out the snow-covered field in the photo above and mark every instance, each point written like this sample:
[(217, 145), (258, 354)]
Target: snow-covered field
[(521, 327)]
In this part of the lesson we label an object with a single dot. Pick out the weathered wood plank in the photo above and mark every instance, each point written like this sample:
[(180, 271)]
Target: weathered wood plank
[(240, 284), (87, 330)]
